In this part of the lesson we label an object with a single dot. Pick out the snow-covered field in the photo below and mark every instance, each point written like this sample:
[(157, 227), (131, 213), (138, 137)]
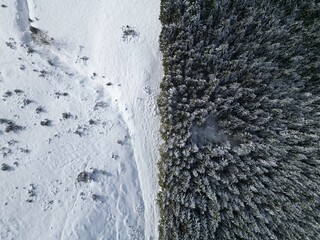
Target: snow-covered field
[(78, 119)]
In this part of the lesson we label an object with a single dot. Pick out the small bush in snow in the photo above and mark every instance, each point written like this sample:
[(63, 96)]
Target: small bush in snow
[(39, 36), (83, 177), (100, 105), (92, 122), (12, 127), (4, 121), (12, 44), (26, 102), (63, 94), (7, 94), (66, 115), (95, 197), (40, 109), (129, 33), (18, 91), (5, 167), (46, 122)]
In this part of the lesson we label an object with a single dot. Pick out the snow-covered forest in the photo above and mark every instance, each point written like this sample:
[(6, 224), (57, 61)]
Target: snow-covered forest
[(85, 101), (240, 107)]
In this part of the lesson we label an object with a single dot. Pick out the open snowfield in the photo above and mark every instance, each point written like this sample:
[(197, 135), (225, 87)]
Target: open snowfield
[(78, 119)]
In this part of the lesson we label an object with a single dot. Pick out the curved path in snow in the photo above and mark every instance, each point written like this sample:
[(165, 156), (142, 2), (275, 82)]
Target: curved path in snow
[(138, 72)]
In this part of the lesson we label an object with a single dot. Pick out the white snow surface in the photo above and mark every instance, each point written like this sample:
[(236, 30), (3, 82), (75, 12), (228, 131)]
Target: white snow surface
[(94, 67)]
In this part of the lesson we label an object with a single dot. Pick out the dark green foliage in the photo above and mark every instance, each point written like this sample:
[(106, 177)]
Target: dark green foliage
[(67, 115), (5, 167), (92, 122), (59, 94), (39, 36), (7, 94), (26, 102), (18, 91), (129, 33), (83, 177), (240, 107), (11, 126), (40, 109), (46, 122), (5, 121)]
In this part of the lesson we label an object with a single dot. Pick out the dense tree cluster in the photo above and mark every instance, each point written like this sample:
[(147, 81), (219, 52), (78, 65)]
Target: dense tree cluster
[(240, 106)]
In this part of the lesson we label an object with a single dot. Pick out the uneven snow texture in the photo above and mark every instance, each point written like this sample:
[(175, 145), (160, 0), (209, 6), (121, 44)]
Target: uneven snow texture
[(78, 120)]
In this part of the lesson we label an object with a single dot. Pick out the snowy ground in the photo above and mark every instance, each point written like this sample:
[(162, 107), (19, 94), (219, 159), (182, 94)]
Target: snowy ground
[(78, 119)]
